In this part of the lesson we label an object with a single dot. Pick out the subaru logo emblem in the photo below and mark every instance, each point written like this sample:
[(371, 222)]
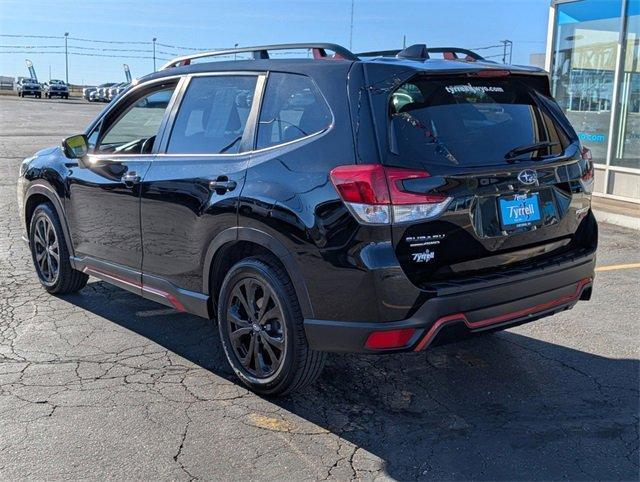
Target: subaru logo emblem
[(528, 177)]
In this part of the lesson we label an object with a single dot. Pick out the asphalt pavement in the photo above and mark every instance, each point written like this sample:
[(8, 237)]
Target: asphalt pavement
[(104, 384)]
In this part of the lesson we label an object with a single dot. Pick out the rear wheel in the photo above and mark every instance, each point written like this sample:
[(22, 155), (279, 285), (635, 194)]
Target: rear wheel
[(261, 329), (50, 253)]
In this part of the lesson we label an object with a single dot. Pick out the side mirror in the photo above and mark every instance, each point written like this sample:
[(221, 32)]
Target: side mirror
[(75, 147)]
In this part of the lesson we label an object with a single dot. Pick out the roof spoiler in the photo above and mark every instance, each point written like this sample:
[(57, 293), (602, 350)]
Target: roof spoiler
[(414, 52)]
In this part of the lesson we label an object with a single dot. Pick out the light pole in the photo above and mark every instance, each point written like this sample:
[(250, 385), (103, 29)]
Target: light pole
[(154, 53), (66, 57), (235, 46), (504, 50), (351, 28)]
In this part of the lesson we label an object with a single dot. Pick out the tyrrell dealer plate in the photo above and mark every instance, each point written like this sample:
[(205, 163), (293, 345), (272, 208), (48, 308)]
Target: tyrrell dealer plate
[(519, 210)]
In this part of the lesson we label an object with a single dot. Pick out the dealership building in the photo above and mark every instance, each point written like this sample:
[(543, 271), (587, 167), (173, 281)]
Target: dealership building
[(593, 54)]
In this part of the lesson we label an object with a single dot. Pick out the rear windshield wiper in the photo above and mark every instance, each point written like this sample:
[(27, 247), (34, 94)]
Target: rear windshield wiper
[(517, 151)]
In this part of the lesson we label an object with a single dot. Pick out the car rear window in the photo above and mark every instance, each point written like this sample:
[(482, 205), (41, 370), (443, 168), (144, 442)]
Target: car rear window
[(463, 121)]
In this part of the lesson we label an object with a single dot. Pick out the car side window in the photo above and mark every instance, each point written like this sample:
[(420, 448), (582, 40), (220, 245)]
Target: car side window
[(293, 108), (134, 132), (213, 115)]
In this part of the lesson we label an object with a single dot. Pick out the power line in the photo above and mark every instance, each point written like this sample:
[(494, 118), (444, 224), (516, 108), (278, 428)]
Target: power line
[(121, 42), (77, 39), (30, 36), (79, 47), (178, 47), (32, 46), (488, 47), (84, 54)]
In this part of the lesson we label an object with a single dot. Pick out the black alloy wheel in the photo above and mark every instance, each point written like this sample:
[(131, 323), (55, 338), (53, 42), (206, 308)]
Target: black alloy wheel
[(46, 250), (255, 326), (262, 328), (50, 253)]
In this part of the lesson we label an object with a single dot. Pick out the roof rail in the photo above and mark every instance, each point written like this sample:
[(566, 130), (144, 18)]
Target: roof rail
[(453, 52), (262, 52)]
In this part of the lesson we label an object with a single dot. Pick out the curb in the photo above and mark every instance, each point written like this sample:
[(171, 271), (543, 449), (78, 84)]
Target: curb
[(630, 222)]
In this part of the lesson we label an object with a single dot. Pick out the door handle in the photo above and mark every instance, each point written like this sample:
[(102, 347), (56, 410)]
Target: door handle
[(130, 179), (222, 184)]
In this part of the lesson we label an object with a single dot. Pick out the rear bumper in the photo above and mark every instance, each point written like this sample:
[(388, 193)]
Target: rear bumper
[(481, 308)]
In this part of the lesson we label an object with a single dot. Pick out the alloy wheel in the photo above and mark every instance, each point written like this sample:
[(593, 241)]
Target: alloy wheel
[(46, 250), (255, 324)]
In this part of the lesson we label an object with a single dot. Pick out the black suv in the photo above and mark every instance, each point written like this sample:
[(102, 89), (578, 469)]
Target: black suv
[(369, 203)]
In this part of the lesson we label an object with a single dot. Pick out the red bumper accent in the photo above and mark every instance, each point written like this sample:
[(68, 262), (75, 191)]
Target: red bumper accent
[(495, 320)]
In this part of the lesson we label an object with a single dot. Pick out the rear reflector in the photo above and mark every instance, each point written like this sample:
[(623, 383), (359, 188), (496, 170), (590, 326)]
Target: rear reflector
[(380, 340), (375, 194)]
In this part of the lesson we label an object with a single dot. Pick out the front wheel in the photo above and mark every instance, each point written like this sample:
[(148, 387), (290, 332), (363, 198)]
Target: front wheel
[(50, 253), (261, 328)]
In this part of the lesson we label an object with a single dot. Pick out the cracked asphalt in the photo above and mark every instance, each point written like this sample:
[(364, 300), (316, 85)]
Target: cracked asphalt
[(104, 384)]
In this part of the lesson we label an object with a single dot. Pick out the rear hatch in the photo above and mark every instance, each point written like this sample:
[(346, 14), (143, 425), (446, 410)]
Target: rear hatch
[(495, 152)]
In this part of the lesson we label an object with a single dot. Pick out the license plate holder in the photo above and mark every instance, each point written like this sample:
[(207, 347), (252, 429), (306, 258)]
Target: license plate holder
[(519, 210)]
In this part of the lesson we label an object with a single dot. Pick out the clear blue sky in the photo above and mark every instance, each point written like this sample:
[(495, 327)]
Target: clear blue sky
[(378, 24)]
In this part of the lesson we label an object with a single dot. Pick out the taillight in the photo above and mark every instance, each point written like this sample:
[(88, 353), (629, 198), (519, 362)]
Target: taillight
[(375, 194)]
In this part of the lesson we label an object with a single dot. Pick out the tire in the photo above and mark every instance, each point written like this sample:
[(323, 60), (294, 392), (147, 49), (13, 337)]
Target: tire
[(298, 365), (45, 234)]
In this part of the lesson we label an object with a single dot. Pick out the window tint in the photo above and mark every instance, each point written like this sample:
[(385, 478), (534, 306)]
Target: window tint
[(136, 130), (470, 122), (292, 108), (213, 115)]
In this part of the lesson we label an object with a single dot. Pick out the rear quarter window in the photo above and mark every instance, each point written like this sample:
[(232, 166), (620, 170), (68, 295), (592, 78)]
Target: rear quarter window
[(293, 108)]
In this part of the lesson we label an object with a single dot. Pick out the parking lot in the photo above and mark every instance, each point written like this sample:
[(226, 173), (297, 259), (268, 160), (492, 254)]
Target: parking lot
[(104, 384)]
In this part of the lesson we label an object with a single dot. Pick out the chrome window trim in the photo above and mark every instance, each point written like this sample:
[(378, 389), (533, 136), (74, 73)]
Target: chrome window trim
[(254, 151), (174, 106)]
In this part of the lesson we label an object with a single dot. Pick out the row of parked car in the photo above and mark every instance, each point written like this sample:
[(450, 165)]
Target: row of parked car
[(104, 92), (53, 88)]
